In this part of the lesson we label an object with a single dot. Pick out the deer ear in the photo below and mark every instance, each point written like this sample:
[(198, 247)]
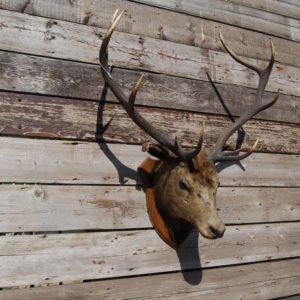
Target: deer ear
[(157, 151)]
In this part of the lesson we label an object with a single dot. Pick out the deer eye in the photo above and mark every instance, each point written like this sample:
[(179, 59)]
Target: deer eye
[(183, 185)]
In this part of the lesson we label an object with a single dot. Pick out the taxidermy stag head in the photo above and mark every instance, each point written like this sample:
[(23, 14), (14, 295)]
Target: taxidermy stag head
[(185, 180)]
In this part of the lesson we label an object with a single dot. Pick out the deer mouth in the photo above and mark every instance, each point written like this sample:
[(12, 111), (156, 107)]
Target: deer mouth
[(212, 233)]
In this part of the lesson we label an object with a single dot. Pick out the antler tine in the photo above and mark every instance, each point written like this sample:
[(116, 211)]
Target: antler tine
[(115, 15), (161, 137), (103, 57), (133, 95), (191, 155), (237, 151), (218, 155), (235, 57), (232, 155)]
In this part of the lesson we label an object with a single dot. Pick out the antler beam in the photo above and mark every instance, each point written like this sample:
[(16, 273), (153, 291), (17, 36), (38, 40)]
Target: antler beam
[(218, 154)]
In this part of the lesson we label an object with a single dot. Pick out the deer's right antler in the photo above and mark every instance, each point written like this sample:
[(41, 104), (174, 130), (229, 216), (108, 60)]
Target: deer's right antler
[(218, 154), (161, 137)]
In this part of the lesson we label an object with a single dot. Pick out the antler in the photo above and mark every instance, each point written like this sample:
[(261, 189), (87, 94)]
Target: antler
[(218, 155), (160, 136)]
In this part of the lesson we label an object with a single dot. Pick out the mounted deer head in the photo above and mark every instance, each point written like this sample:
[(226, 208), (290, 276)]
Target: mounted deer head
[(186, 181)]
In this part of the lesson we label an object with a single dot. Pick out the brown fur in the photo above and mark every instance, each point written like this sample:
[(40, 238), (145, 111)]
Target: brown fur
[(195, 200)]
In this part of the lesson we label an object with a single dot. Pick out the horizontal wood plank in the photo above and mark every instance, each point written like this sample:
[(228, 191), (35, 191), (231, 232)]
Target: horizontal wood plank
[(234, 14), (292, 2), (41, 36), (54, 161), (272, 6), (254, 281), (293, 297), (28, 115), (146, 20), (31, 74), (73, 257), (42, 259), (27, 208)]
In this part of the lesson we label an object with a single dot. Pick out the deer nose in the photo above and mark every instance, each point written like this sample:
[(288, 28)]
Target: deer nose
[(217, 231)]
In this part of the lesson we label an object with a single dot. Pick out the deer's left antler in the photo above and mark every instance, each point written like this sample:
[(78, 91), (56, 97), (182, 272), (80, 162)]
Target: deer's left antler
[(218, 154)]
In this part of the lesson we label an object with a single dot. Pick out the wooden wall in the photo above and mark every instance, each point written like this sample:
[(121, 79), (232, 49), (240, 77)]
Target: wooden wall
[(73, 219)]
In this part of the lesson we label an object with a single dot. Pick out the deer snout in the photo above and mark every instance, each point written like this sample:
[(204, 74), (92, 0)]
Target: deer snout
[(217, 231), (211, 230)]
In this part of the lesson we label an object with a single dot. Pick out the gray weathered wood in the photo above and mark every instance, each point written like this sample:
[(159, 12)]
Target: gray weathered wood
[(254, 281), (159, 23), (61, 208), (70, 257), (272, 6), (41, 36), (55, 161), (230, 13), (293, 297), (292, 2), (42, 259), (29, 115), (30, 74)]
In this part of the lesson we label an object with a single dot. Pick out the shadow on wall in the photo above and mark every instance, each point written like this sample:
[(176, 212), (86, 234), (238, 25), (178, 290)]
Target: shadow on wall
[(189, 258), (123, 171), (188, 252)]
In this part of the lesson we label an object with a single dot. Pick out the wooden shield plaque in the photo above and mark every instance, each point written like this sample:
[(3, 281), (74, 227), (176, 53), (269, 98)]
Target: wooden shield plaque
[(172, 231)]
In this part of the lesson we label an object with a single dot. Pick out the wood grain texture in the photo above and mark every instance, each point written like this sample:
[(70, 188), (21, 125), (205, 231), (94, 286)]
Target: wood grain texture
[(293, 297), (42, 259), (41, 36), (292, 2), (30, 74), (100, 196), (254, 281), (55, 161), (28, 208), (158, 23), (36, 116), (272, 6), (231, 13)]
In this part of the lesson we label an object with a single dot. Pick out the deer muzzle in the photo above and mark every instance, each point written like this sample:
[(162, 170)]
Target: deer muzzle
[(212, 229)]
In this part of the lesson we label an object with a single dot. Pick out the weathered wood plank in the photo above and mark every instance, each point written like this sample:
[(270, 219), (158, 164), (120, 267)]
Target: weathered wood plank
[(31, 74), (26, 208), (277, 7), (272, 6), (147, 21), (292, 2), (254, 281), (55, 161), (72, 41), (294, 297), (230, 13), (42, 259), (28, 115)]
